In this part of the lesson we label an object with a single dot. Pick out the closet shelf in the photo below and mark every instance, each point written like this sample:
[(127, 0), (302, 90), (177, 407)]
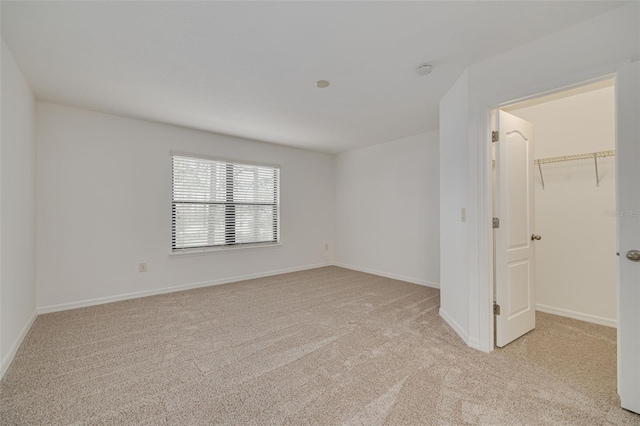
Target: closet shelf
[(594, 155), (601, 154)]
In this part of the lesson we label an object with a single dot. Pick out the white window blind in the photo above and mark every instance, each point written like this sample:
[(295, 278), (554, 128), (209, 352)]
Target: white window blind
[(220, 203)]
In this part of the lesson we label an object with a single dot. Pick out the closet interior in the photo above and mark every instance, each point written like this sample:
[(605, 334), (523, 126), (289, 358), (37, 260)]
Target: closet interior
[(575, 262)]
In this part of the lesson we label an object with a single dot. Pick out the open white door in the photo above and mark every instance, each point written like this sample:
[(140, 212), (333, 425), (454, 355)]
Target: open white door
[(628, 200), (514, 256)]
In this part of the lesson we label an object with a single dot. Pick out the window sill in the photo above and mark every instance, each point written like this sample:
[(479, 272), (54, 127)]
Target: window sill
[(223, 249)]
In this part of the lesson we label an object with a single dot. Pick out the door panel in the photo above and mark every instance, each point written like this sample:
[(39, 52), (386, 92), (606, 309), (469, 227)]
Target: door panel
[(520, 284), (515, 280), (518, 202), (628, 214)]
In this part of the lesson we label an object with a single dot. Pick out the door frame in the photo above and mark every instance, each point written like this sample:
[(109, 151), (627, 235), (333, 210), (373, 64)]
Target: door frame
[(483, 176)]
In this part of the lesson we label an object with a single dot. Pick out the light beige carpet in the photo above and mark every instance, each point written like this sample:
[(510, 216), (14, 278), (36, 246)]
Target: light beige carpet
[(327, 346)]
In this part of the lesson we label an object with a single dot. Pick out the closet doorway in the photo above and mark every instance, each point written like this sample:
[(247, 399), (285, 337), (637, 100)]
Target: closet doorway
[(557, 259), (560, 264), (573, 213)]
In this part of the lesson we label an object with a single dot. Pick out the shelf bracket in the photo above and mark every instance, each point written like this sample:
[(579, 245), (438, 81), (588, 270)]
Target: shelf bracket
[(595, 161), (541, 176)]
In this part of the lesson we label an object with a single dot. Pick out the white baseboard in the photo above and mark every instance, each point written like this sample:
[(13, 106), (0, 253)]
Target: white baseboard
[(456, 327), (117, 298), (109, 299), (474, 343), (388, 275), (577, 315), (6, 362)]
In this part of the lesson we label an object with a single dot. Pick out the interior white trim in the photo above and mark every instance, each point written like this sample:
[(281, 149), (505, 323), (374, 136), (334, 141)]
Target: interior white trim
[(109, 299), (577, 315), (453, 324), (138, 294), (474, 343), (222, 249), (388, 275), (6, 362)]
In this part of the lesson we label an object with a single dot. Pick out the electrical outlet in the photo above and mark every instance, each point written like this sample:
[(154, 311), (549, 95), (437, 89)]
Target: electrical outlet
[(142, 267), (463, 215), (326, 247)]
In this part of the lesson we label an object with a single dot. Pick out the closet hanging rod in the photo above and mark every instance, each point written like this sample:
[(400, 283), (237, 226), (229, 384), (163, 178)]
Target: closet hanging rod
[(590, 156)]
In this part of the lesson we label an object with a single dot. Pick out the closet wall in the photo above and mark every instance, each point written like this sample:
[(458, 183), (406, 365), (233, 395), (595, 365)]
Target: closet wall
[(575, 260)]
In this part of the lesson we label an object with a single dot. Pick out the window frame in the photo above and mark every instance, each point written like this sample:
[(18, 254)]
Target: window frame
[(223, 247)]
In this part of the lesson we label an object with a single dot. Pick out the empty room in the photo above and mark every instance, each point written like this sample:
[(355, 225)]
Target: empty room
[(322, 213)]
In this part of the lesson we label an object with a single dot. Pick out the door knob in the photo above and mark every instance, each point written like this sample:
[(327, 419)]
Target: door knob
[(535, 237), (633, 255)]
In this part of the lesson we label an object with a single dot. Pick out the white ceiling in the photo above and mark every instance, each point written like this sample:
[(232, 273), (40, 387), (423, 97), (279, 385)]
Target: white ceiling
[(248, 68)]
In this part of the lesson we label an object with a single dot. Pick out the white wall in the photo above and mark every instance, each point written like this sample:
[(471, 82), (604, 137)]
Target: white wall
[(575, 260), (454, 176), (386, 218), (592, 48), (18, 209), (104, 204)]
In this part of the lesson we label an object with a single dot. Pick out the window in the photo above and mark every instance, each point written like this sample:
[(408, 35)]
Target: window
[(220, 203)]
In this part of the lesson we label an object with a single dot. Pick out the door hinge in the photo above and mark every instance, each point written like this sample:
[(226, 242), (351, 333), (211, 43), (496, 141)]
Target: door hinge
[(496, 309), (496, 222), (495, 136)]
